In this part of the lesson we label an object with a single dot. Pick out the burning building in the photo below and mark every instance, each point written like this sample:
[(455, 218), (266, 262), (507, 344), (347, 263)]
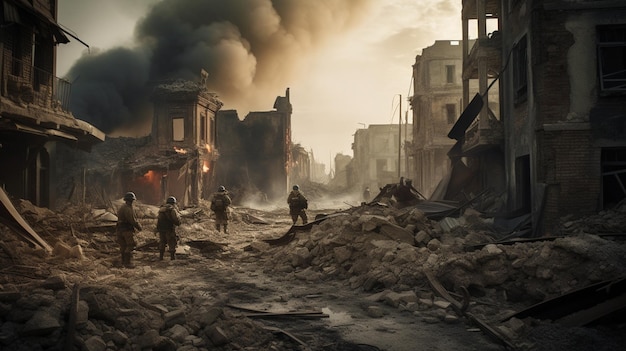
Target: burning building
[(177, 158)]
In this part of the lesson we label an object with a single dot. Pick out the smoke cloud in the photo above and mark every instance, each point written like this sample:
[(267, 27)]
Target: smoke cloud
[(250, 48)]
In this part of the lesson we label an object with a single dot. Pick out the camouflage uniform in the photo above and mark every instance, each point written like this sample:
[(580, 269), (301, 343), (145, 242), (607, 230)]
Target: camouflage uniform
[(297, 205), (219, 205), (125, 232), (167, 221)]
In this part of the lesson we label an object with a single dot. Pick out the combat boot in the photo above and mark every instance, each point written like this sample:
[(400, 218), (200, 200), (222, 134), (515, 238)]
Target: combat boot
[(217, 226), (129, 260), (161, 253), (172, 255)]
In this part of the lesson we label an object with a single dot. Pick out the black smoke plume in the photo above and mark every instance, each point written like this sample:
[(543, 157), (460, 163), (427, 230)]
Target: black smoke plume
[(250, 48)]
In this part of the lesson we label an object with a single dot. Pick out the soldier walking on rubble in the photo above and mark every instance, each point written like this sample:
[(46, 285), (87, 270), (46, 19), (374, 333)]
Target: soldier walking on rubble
[(125, 229), (167, 220), (366, 194), (219, 205), (297, 205)]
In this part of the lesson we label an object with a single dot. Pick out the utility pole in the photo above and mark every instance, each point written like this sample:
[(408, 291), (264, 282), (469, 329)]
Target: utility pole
[(399, 135)]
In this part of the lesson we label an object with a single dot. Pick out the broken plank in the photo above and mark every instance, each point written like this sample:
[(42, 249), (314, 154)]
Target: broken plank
[(303, 315), (462, 308), (459, 307)]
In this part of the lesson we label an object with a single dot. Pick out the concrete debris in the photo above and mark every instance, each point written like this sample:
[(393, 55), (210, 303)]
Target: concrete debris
[(384, 251)]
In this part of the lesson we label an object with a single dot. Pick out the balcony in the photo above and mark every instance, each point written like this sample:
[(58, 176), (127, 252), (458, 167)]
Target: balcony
[(483, 134), (488, 50), (27, 85)]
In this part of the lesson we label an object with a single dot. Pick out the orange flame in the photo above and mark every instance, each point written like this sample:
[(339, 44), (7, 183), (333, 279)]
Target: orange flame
[(179, 150), (150, 177), (208, 147), (205, 167)]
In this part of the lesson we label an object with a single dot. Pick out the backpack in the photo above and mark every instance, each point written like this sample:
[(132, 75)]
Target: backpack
[(218, 204), (164, 222)]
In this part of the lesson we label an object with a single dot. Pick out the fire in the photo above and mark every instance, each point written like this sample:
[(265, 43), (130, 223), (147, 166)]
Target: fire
[(179, 150), (208, 147), (149, 176), (205, 167)]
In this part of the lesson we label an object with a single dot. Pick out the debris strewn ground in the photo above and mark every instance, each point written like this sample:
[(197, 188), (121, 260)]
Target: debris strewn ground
[(375, 254)]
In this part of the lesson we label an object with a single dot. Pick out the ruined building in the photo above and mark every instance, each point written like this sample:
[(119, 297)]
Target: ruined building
[(34, 117), (256, 156), (379, 155), (184, 133), (176, 159), (436, 104), (560, 69)]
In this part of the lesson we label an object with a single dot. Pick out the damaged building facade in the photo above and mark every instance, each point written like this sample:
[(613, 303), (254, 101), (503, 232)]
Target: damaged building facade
[(379, 155), (436, 104), (184, 135), (177, 158), (558, 145), (34, 117), (257, 157)]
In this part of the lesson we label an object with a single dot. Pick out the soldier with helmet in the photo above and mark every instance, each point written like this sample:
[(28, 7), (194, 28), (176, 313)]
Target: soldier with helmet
[(125, 229), (167, 221), (297, 205), (219, 205)]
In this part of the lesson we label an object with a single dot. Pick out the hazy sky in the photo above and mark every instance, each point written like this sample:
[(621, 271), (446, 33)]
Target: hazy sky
[(345, 61)]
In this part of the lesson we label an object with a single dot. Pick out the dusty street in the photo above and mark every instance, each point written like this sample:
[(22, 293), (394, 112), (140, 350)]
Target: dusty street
[(336, 286)]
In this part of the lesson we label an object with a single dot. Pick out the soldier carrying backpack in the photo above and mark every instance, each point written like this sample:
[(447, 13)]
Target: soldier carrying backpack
[(297, 205), (167, 221), (219, 205)]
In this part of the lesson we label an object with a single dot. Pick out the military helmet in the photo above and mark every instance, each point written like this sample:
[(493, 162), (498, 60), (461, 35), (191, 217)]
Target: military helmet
[(296, 187), (170, 200), (221, 189), (130, 196)]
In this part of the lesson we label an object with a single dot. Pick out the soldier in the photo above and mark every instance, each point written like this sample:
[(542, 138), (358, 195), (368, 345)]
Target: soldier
[(167, 221), (219, 205), (297, 205), (125, 229), (366, 194)]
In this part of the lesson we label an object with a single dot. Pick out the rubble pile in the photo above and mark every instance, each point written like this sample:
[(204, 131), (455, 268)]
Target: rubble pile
[(375, 248), (382, 250)]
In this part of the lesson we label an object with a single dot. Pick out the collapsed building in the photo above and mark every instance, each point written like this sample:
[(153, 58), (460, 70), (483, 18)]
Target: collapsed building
[(35, 121), (257, 157), (177, 158)]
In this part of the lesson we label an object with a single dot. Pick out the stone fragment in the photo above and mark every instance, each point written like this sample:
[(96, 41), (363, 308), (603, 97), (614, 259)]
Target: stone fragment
[(342, 254), (42, 323), (434, 245), (95, 343), (422, 237), (53, 283), (375, 311), (177, 333), (61, 250), (175, 317), (217, 336), (148, 340)]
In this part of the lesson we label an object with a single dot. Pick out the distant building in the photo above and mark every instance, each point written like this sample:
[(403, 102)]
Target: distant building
[(436, 105), (318, 171), (379, 155), (34, 116), (342, 176)]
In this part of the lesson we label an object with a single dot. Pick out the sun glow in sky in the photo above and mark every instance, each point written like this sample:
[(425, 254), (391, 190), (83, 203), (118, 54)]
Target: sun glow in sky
[(351, 80)]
